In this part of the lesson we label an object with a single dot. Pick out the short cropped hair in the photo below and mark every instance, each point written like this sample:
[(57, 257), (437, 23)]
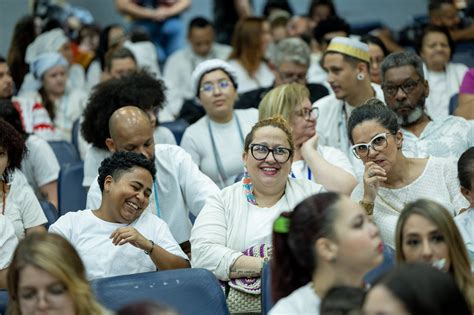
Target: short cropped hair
[(118, 53), (121, 162), (292, 49), (400, 59)]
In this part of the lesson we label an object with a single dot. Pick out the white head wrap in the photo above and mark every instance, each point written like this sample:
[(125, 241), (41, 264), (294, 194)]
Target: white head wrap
[(47, 42), (46, 61), (209, 65)]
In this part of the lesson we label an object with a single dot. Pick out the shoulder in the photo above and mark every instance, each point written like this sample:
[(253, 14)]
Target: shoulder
[(72, 218), (248, 114), (327, 103), (302, 186), (300, 301), (171, 153), (458, 67)]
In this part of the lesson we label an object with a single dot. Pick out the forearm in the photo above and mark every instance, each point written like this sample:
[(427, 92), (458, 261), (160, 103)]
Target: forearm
[(178, 7), (246, 267), (134, 10), (50, 192), (462, 34), (332, 177), (466, 106), (3, 278), (164, 260), (243, 8)]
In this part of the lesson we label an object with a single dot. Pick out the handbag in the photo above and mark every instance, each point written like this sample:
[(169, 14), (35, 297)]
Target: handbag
[(244, 293)]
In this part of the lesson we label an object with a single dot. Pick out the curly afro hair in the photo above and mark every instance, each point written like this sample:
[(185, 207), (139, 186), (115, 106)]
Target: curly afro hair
[(138, 89), (121, 162), (9, 113), (14, 145)]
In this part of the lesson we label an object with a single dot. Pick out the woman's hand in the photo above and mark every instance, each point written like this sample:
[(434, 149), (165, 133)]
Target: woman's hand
[(309, 145), (130, 235), (373, 176)]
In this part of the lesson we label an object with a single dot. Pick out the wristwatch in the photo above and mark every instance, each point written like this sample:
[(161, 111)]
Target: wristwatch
[(368, 206), (151, 250)]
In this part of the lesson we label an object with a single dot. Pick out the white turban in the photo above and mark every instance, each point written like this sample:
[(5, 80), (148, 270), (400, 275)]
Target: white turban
[(46, 61), (50, 41), (208, 66)]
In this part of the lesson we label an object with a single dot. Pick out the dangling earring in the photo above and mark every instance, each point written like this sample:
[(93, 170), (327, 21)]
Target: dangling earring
[(248, 187), (360, 76)]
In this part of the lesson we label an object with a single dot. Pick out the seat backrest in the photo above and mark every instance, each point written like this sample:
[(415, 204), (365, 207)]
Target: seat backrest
[(65, 152), (177, 127), (3, 301), (267, 301), (387, 264), (453, 103), (50, 212), (188, 291), (72, 195)]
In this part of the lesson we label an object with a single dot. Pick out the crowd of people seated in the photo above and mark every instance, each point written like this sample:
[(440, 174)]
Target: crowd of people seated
[(278, 144)]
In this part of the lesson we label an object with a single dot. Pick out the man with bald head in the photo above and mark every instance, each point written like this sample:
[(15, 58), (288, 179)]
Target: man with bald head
[(179, 186)]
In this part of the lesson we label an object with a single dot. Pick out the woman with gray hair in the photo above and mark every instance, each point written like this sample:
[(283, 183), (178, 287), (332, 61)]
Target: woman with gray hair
[(215, 140)]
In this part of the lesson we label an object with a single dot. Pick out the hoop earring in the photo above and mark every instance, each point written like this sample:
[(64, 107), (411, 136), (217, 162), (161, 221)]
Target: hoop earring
[(360, 76)]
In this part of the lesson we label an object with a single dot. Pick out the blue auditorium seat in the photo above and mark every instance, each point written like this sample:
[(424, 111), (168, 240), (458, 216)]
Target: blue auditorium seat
[(387, 264), (177, 127), (3, 301), (267, 301), (65, 152), (50, 212), (188, 291), (72, 196)]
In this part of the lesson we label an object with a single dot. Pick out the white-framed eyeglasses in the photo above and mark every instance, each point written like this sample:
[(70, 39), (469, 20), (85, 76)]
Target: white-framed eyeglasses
[(378, 143), (209, 87)]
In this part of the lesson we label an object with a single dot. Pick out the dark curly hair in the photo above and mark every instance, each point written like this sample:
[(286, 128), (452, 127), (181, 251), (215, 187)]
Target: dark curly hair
[(121, 162), (14, 144), (138, 89), (9, 113)]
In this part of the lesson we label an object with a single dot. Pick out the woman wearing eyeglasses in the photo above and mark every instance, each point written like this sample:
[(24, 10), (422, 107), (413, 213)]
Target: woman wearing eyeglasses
[(324, 165), (215, 140), (392, 180), (241, 216)]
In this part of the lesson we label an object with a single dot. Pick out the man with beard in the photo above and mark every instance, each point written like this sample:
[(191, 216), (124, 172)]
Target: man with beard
[(179, 186), (405, 91)]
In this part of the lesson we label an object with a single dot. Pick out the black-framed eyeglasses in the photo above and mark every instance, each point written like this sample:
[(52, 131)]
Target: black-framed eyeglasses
[(209, 87), (261, 151), (293, 76), (407, 87), (308, 113), (378, 143)]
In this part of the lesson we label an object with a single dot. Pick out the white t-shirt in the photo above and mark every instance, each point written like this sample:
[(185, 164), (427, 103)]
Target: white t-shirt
[(263, 77), (229, 145), (8, 242), (443, 85), (23, 209), (40, 165), (91, 238), (465, 223), (301, 301), (438, 182), (181, 187), (94, 156)]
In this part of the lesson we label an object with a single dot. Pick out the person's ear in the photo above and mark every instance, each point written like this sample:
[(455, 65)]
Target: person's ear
[(110, 145), (326, 249), (107, 183), (399, 138), (427, 88), (467, 194)]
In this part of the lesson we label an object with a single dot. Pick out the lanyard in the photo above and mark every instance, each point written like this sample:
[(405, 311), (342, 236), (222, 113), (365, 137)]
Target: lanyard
[(220, 166), (157, 202), (4, 196), (309, 174)]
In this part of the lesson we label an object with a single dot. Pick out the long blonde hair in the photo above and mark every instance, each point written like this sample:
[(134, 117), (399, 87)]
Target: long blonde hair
[(460, 266), (55, 255), (282, 100)]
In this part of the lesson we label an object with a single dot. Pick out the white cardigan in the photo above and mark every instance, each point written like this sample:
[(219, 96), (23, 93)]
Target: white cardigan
[(217, 238)]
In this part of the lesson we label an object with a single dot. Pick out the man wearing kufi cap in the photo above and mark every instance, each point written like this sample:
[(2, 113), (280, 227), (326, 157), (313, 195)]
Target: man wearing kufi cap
[(346, 61)]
